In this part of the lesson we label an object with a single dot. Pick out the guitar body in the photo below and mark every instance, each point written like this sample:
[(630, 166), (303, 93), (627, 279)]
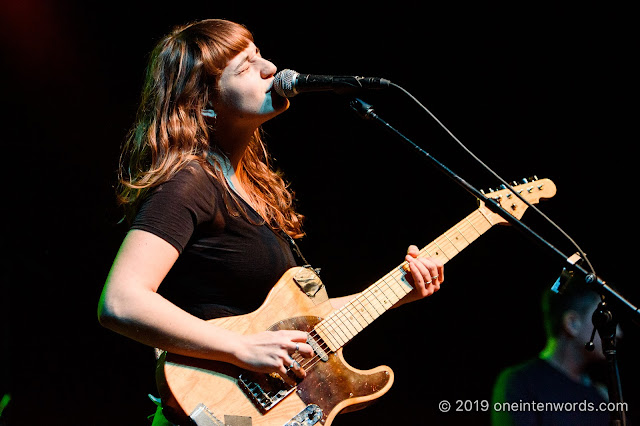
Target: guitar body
[(332, 385)]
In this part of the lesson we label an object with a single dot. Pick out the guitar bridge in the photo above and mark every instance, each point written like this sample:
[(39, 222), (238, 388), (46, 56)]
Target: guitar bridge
[(264, 390)]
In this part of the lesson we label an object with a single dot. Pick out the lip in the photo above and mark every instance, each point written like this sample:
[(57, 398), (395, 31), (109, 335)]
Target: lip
[(270, 86), (273, 92)]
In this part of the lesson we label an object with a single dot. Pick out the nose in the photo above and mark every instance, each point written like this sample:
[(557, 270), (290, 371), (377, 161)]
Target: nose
[(268, 69)]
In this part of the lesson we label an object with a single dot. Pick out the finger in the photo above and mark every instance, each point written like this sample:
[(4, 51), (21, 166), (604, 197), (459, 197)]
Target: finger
[(298, 336), (413, 251), (439, 267), (432, 267), (419, 273), (300, 348), (441, 273), (304, 350), (284, 373), (297, 368), (299, 344)]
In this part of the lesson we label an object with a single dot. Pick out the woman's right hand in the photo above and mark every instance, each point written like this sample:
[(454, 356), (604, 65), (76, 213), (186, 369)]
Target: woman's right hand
[(274, 352)]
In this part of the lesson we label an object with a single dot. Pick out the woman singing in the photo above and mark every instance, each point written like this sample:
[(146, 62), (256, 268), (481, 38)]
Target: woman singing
[(211, 221)]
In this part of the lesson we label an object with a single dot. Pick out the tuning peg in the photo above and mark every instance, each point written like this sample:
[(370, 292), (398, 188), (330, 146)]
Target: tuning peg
[(524, 180)]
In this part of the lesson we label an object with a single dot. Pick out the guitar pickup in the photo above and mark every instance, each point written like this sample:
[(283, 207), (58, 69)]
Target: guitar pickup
[(317, 348)]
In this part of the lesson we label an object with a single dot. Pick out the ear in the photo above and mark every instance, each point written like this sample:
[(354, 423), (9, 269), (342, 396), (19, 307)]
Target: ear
[(209, 113), (571, 323)]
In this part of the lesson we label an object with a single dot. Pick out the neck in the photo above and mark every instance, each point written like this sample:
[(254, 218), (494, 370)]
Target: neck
[(234, 142), (565, 357)]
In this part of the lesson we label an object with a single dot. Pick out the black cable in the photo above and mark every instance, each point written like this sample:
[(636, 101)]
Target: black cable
[(475, 157)]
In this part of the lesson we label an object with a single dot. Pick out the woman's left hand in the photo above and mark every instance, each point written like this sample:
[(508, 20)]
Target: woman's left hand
[(425, 275)]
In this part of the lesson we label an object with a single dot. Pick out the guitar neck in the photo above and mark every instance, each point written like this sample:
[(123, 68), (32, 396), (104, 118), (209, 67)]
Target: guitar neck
[(343, 324)]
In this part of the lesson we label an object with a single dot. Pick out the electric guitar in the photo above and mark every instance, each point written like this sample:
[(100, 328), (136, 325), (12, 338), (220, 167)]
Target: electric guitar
[(213, 393)]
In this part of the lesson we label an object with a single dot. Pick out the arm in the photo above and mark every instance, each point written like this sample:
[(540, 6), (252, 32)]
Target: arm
[(130, 305)]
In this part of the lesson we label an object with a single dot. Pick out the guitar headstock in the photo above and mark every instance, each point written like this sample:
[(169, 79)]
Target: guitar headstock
[(533, 190)]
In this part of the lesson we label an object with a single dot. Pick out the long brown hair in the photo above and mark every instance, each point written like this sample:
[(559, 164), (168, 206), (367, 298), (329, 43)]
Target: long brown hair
[(170, 131)]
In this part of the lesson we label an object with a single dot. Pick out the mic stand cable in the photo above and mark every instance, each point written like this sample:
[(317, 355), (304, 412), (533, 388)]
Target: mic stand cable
[(583, 255)]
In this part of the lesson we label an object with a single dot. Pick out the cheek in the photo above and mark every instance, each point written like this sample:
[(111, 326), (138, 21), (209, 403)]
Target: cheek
[(243, 100)]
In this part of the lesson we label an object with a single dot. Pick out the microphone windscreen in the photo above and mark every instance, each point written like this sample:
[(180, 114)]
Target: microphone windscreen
[(283, 83)]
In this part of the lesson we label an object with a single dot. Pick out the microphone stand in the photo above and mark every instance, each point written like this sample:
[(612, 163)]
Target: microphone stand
[(605, 318)]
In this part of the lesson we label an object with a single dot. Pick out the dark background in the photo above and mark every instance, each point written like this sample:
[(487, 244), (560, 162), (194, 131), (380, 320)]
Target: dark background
[(531, 90)]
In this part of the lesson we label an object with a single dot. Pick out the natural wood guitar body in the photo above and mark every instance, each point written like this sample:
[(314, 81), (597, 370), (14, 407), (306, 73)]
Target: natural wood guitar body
[(334, 385)]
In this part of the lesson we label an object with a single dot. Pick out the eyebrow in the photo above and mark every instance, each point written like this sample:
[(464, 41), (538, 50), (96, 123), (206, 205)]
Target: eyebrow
[(246, 58)]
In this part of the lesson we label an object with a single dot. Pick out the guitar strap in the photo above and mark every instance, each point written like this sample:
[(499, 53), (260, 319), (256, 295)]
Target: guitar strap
[(308, 279), (225, 166), (296, 250)]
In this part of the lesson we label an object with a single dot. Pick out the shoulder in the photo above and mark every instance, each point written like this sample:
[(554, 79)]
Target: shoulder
[(173, 209), (192, 176), (192, 186), (516, 380), (531, 367)]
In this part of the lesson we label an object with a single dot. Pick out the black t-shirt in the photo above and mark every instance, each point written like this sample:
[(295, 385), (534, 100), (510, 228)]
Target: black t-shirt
[(227, 264), (566, 402)]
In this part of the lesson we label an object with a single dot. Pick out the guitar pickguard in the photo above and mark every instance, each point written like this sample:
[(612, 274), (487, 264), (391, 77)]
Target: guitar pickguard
[(329, 379), (266, 390)]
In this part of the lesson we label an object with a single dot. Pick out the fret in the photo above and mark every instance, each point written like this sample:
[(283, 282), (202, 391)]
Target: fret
[(425, 249), (382, 297), (486, 220), (452, 239), (478, 232), (341, 332), (327, 337), (374, 301), (393, 292), (463, 240), (441, 251), (353, 317), (334, 330), (401, 283), (346, 322), (362, 309), (462, 235)]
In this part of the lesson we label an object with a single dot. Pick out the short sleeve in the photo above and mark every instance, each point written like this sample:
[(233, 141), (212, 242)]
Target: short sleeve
[(173, 210)]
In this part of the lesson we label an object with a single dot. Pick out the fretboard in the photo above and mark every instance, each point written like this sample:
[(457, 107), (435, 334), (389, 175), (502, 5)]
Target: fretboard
[(343, 324)]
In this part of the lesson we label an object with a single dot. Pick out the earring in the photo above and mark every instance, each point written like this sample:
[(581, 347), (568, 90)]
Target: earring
[(209, 113)]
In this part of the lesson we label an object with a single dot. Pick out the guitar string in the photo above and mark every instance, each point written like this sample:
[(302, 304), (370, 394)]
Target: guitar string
[(397, 275), (312, 361), (332, 324), (334, 319), (309, 363)]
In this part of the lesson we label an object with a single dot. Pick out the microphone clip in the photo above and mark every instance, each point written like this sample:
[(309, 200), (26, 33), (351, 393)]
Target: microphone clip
[(363, 109)]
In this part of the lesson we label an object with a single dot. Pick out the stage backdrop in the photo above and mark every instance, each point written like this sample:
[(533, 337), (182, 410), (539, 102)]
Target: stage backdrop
[(530, 90)]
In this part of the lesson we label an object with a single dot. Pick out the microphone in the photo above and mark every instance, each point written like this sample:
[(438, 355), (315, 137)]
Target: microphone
[(288, 83)]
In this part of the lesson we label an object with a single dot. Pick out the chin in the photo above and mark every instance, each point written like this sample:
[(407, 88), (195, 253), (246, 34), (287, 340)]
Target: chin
[(279, 103)]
